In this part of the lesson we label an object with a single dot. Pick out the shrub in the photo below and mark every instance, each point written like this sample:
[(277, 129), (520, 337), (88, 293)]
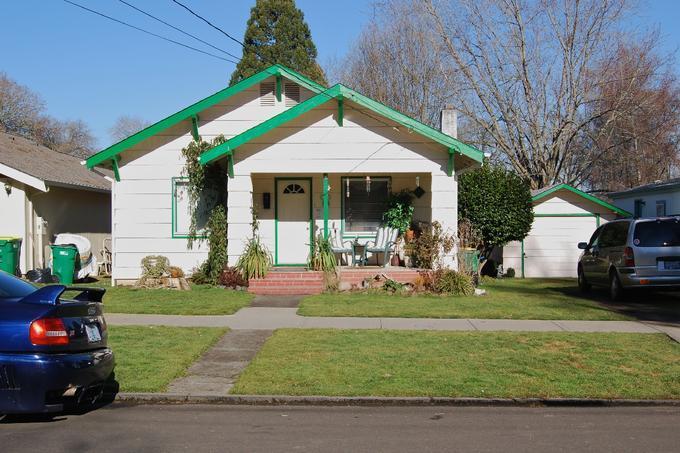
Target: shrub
[(430, 245), (198, 275), (393, 286), (255, 261), (510, 273), (321, 257), (454, 283), (155, 266), (399, 214), (175, 272), (231, 278)]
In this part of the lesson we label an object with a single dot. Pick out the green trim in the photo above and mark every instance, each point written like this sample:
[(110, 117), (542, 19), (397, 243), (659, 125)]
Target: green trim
[(587, 196), (230, 165), (341, 112), (276, 218), (348, 234), (194, 127), (199, 106), (574, 214), (325, 205), (173, 204), (116, 169), (597, 220), (340, 91), (220, 151), (522, 256)]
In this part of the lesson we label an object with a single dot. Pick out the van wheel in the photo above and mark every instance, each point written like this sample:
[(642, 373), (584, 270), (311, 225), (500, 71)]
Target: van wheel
[(615, 289), (583, 283)]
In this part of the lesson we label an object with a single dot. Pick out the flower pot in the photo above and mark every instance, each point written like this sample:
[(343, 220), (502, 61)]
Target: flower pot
[(395, 260), (410, 234)]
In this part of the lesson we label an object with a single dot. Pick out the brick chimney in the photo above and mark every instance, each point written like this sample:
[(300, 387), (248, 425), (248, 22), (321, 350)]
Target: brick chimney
[(449, 121)]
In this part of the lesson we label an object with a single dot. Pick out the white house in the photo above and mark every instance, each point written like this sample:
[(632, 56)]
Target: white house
[(563, 217), (308, 159), (44, 193), (650, 200)]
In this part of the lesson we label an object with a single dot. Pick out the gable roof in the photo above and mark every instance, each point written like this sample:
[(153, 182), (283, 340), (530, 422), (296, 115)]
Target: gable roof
[(537, 195), (187, 113), (38, 166), (669, 184), (340, 92), (322, 95)]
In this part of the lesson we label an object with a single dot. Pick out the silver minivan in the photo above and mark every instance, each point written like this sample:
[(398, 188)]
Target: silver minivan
[(630, 253)]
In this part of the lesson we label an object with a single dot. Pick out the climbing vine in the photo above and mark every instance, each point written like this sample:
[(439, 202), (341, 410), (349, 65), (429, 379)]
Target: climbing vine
[(207, 192)]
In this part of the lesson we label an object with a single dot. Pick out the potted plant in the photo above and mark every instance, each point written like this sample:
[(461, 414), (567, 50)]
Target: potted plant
[(399, 214)]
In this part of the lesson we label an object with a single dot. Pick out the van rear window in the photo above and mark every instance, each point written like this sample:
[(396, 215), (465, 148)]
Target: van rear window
[(658, 233)]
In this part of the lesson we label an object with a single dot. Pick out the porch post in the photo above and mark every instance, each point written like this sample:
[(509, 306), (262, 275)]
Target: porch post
[(325, 205)]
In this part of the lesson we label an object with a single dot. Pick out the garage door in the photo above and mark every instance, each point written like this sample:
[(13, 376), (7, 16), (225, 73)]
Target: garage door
[(550, 249)]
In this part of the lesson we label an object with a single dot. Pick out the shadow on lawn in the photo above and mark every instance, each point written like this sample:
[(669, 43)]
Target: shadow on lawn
[(642, 304)]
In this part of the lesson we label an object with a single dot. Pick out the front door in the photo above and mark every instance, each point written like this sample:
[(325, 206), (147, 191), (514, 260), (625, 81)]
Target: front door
[(293, 221)]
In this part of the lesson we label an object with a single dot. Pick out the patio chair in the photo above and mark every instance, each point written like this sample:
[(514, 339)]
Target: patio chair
[(343, 248), (385, 240)]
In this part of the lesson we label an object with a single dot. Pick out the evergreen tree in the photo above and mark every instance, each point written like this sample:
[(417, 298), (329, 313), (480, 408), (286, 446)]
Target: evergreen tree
[(278, 33)]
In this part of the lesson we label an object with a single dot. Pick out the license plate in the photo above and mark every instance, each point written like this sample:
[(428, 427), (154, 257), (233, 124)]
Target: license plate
[(93, 334), (669, 265)]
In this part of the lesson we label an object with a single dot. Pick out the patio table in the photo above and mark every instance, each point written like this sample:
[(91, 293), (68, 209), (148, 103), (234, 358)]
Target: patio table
[(358, 253)]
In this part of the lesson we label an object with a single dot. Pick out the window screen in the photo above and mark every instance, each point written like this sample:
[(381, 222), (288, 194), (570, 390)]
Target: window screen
[(363, 209)]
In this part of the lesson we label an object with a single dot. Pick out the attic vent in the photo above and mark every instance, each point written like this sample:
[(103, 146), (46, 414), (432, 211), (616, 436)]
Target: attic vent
[(267, 95), (292, 94)]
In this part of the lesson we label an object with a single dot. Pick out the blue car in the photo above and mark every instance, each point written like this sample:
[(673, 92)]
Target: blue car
[(53, 350)]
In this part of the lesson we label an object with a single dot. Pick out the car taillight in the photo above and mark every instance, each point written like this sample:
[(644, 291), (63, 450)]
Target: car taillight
[(48, 332), (628, 257)]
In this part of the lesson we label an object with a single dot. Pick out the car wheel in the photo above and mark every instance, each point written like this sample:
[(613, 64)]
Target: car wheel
[(583, 283), (615, 288)]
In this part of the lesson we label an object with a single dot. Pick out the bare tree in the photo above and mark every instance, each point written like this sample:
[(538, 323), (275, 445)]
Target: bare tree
[(524, 77), (638, 140), (395, 62), (125, 126), (22, 112)]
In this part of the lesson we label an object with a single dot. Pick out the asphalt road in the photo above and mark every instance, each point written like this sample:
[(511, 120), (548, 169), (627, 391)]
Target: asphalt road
[(251, 429)]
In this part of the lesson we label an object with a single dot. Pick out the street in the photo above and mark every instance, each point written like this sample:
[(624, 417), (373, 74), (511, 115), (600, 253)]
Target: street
[(198, 428)]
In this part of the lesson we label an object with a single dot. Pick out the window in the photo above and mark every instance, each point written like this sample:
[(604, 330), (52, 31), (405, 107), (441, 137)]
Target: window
[(657, 233), (181, 211), (292, 92), (364, 203), (294, 188), (614, 234), (660, 208), (638, 205), (267, 95)]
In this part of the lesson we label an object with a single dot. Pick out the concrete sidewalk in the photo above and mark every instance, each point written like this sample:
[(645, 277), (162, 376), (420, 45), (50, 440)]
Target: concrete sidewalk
[(263, 318)]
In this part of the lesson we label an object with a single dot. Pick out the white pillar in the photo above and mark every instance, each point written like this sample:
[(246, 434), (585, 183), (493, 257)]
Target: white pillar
[(239, 214), (444, 207)]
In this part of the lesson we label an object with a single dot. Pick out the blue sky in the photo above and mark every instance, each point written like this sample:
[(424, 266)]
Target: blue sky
[(87, 67)]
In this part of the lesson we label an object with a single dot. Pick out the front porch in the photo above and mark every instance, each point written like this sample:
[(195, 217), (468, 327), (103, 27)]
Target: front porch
[(293, 210), (291, 281)]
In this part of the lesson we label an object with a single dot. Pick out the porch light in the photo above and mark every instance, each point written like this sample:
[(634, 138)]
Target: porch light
[(368, 184), (347, 187), (417, 181)]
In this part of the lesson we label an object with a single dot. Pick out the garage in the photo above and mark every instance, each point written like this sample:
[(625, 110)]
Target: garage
[(563, 217)]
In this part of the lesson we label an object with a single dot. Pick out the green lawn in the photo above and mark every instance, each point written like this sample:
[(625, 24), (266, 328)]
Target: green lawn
[(149, 358), (505, 299), (201, 300), (471, 364)]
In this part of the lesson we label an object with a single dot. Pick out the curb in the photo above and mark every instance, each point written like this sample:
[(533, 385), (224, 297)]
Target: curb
[(369, 401)]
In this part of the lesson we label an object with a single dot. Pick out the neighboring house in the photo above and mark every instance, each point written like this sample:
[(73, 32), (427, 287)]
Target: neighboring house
[(563, 217), (43, 193), (651, 200), (308, 159)]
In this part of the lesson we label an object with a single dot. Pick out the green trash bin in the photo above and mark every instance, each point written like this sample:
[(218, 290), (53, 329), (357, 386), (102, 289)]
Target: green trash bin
[(10, 251), (64, 261), (471, 260)]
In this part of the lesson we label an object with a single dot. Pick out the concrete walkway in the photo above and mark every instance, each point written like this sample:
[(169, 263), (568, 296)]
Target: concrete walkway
[(263, 318), (217, 370)]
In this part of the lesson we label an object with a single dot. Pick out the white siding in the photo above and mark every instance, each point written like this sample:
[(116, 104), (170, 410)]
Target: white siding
[(550, 248), (13, 218), (672, 199), (310, 145)]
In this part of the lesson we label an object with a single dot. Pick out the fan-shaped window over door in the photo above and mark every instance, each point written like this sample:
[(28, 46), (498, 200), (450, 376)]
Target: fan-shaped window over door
[(294, 188)]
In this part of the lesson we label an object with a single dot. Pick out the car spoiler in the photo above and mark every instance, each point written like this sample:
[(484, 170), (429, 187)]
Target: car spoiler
[(50, 295)]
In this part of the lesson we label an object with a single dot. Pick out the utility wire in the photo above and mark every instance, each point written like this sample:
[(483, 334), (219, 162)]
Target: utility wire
[(257, 53), (147, 32), (179, 30)]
